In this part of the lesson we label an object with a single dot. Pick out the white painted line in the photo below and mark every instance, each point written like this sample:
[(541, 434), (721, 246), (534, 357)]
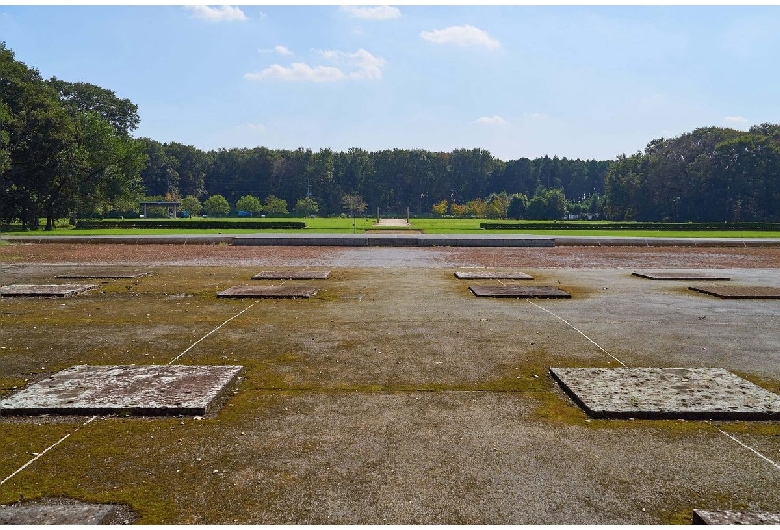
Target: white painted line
[(90, 420), (211, 332), (621, 362), (52, 446), (577, 330), (746, 446)]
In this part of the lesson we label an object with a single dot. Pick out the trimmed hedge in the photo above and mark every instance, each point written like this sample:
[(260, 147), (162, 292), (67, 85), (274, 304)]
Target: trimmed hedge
[(585, 225), (186, 224)]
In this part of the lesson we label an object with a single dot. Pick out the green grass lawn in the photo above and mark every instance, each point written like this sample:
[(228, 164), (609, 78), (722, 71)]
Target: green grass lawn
[(340, 225)]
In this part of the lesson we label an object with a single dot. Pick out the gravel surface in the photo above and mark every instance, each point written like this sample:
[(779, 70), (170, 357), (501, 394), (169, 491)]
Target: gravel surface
[(572, 257)]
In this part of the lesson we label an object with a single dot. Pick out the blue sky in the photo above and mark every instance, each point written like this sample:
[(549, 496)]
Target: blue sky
[(519, 81)]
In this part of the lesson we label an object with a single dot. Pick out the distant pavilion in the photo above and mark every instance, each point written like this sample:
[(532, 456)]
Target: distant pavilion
[(171, 206)]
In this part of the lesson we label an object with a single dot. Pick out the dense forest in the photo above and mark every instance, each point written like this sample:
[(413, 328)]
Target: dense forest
[(710, 174), (67, 151), (392, 180)]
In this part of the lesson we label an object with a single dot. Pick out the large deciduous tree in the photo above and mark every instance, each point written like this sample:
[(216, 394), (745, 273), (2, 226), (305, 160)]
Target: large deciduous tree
[(61, 155), (275, 206), (191, 205), (306, 207), (82, 98), (216, 206), (249, 203)]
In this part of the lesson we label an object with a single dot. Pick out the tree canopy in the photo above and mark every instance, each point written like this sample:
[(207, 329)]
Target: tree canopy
[(64, 148), (216, 206), (392, 180), (709, 174)]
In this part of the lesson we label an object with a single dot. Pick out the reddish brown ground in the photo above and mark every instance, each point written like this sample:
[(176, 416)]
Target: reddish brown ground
[(573, 257)]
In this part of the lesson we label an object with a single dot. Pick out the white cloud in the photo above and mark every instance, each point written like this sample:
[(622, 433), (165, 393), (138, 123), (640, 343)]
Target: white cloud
[(365, 65), (373, 13), (278, 49), (736, 121), (359, 65), (254, 126), (490, 120), (461, 36), (297, 72), (217, 14)]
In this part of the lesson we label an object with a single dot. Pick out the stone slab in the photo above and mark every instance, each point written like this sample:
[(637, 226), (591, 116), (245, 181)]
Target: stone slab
[(291, 275), (739, 291), (732, 517), (149, 390), (61, 290), (667, 393), (267, 291), (492, 275), (516, 291), (71, 514), (678, 275), (102, 275)]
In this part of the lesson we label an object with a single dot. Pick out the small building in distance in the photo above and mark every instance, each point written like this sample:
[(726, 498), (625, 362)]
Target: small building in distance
[(170, 206)]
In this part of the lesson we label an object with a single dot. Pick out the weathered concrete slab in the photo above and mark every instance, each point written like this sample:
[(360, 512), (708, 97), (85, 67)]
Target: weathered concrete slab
[(291, 275), (73, 513), (680, 275), (267, 291), (516, 291), (739, 291), (151, 390), (667, 393), (61, 290), (492, 275), (101, 275), (732, 517)]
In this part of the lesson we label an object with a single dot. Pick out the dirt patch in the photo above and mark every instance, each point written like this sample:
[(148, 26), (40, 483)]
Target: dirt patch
[(569, 257)]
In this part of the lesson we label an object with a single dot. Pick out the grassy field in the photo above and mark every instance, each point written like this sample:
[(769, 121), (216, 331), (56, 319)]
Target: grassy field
[(339, 225)]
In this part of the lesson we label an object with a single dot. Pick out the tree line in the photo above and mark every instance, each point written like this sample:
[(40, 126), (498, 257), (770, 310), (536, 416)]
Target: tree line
[(391, 180), (709, 174), (67, 151)]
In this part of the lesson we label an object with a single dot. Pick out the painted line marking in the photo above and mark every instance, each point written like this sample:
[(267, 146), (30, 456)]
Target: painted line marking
[(211, 333), (52, 446), (743, 444), (572, 326), (746, 446), (93, 418)]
